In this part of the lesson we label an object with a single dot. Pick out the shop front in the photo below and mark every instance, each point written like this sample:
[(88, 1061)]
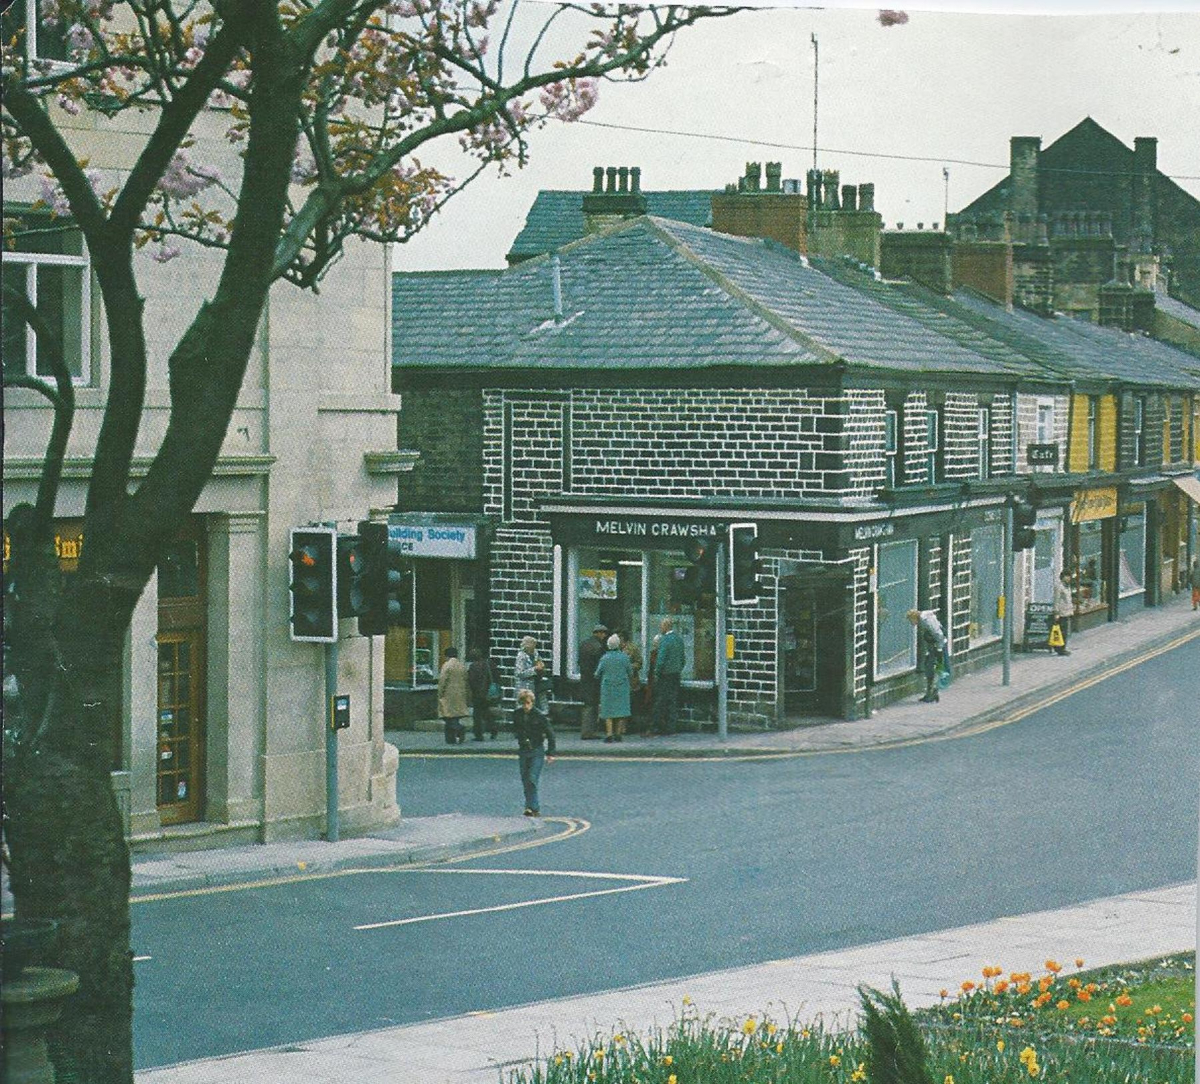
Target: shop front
[(443, 604), (629, 574), (1091, 545)]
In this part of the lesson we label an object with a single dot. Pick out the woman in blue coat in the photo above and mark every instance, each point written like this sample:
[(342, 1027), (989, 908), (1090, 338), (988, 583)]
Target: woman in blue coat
[(615, 674)]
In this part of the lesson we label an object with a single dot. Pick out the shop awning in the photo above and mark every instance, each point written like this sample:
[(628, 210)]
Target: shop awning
[(1190, 484)]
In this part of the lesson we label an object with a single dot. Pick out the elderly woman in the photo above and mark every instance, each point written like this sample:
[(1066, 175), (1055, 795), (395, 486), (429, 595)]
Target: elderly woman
[(529, 672), (615, 674)]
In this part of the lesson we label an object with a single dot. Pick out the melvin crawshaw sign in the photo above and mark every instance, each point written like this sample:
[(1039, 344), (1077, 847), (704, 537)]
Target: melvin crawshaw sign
[(642, 532)]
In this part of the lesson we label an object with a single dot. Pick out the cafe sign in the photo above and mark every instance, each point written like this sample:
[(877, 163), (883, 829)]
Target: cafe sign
[(1094, 504)]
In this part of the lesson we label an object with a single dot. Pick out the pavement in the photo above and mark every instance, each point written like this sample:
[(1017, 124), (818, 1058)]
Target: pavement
[(483, 1048), (972, 702), (476, 1049)]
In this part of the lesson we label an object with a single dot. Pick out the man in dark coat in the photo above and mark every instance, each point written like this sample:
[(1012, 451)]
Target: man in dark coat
[(591, 651), (535, 747)]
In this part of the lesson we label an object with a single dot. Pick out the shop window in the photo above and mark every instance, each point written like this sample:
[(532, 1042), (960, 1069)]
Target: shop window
[(49, 264), (896, 594), (631, 592), (48, 39), (1131, 551), (1045, 544), (987, 583), (1090, 569), (985, 442)]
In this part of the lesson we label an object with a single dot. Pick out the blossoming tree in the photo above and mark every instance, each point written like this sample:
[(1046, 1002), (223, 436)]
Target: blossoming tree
[(326, 104)]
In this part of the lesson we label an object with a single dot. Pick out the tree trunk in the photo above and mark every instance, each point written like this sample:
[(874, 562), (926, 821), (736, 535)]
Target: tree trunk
[(66, 837)]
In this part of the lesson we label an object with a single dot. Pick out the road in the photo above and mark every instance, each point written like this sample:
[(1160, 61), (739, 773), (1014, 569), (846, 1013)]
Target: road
[(1092, 796)]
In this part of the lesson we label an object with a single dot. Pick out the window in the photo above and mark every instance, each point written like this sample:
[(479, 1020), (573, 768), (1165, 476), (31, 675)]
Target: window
[(987, 583), (1131, 547), (933, 456), (891, 446), (985, 442), (49, 39), (1045, 427), (1093, 442), (1139, 431), (896, 594), (49, 262)]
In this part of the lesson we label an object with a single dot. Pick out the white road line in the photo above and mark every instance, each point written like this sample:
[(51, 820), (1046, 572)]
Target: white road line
[(642, 882), (140, 959)]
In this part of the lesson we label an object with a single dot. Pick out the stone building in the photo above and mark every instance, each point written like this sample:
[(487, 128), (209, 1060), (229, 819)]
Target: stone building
[(221, 731), (1091, 210), (655, 381)]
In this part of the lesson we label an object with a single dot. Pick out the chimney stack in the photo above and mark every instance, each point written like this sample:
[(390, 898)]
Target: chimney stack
[(866, 197), (1145, 166), (1024, 153), (616, 195), (774, 173)]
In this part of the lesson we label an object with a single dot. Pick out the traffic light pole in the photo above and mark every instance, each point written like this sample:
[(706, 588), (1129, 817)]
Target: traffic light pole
[(331, 744), (1007, 596), (722, 663)]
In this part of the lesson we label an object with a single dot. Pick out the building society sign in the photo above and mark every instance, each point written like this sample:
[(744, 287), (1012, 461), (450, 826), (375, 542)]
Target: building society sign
[(428, 539)]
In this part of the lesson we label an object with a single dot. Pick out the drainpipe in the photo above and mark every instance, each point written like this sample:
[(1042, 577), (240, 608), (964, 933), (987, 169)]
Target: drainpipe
[(556, 285)]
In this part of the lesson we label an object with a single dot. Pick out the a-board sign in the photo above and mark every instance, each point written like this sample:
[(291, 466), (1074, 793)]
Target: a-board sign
[(1039, 620)]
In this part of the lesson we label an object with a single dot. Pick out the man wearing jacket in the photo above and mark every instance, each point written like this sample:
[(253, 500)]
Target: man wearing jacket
[(535, 745), (668, 669), (591, 651)]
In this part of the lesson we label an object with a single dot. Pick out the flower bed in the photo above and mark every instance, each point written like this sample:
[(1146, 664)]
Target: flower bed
[(1130, 1025)]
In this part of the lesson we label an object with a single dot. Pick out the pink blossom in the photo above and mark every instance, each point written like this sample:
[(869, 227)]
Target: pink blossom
[(183, 180), (569, 100), (52, 196), (69, 105), (166, 253), (888, 17)]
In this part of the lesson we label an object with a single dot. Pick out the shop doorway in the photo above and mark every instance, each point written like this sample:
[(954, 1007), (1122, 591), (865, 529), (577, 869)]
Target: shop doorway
[(812, 630), (182, 639)]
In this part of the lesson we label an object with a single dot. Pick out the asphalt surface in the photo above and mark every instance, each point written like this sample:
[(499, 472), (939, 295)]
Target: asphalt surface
[(1093, 796)]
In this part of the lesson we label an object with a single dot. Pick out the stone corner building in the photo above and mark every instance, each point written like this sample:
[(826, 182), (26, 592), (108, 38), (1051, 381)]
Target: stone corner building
[(593, 412)]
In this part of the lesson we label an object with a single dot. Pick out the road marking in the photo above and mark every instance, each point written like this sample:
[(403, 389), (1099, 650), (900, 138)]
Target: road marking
[(639, 882), (573, 826), (141, 959), (883, 746)]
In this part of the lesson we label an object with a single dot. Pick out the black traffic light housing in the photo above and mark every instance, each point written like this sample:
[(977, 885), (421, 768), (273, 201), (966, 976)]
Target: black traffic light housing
[(1024, 516), (312, 583), (745, 565), (383, 579)]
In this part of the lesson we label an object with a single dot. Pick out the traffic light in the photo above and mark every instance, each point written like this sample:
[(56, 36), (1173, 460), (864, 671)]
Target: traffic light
[(351, 581), (1024, 515), (313, 584), (382, 579), (745, 567)]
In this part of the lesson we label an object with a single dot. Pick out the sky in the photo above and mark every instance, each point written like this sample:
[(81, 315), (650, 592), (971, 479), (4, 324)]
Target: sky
[(944, 86)]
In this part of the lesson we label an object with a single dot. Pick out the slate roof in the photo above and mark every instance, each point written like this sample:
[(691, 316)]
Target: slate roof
[(556, 217), (1184, 313), (663, 295)]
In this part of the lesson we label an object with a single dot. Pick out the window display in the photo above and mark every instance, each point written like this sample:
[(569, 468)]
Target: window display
[(896, 639), (1131, 563), (987, 583), (1091, 579)]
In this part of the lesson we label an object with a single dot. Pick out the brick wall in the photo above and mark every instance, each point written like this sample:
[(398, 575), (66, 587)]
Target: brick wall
[(522, 595), (960, 436), (1027, 412), (1002, 431), (865, 441), (669, 442), (446, 427)]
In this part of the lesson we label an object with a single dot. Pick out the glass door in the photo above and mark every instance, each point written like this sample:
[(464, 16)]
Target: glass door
[(180, 726)]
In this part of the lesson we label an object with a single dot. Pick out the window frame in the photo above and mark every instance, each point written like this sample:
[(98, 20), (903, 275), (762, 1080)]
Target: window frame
[(891, 447), (33, 260), (985, 442), (1139, 430), (1093, 432), (911, 546), (933, 445)]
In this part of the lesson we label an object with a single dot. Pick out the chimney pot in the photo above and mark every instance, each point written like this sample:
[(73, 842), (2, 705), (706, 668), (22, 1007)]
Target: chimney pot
[(774, 172), (920, 225), (830, 180), (623, 179), (611, 178), (849, 197), (598, 179), (866, 197), (814, 189), (635, 177)]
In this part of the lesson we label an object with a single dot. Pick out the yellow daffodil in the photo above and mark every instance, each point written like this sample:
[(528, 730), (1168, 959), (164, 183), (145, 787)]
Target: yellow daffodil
[(671, 1079), (1000, 1045), (949, 1079), (1079, 963), (834, 1061), (668, 1060), (750, 1026)]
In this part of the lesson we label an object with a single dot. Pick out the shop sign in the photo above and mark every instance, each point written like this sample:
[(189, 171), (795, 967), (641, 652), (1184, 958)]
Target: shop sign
[(868, 532), (68, 544), (1039, 620), (432, 539), (641, 532), (1094, 504), (1042, 455)]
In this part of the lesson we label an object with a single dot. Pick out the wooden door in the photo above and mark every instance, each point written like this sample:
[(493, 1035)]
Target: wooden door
[(180, 733)]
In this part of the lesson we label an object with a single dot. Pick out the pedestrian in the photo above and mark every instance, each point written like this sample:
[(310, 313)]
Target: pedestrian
[(615, 674), (932, 648), (636, 692), (1196, 583), (668, 671), (453, 697), (1064, 609), (648, 690), (591, 651), (530, 673), (483, 684), (535, 747)]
